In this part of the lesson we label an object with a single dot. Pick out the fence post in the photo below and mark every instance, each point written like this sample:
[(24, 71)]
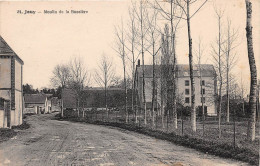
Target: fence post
[(108, 115), (102, 116), (234, 116), (167, 119), (116, 116), (182, 130)]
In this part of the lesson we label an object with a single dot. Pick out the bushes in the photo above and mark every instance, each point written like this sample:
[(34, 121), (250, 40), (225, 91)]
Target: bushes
[(23, 126), (183, 111)]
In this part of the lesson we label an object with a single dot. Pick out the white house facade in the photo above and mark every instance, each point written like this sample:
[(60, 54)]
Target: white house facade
[(11, 89), (204, 82)]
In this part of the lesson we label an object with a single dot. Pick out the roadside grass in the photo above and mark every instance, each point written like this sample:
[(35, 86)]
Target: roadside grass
[(23, 126), (7, 133), (209, 144)]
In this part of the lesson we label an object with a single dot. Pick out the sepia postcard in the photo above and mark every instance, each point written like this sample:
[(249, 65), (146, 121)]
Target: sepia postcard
[(129, 82)]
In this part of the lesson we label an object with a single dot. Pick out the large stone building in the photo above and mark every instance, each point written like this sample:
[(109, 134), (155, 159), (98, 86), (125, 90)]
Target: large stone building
[(205, 85), (11, 91)]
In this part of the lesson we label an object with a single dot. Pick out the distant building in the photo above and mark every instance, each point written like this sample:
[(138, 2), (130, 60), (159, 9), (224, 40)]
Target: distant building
[(36, 103), (11, 81), (95, 98), (208, 83)]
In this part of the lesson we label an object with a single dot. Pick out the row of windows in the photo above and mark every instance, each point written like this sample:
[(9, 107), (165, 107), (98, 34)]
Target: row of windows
[(187, 83), (187, 100), (187, 91)]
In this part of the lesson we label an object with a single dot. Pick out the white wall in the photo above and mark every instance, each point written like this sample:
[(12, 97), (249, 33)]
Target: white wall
[(18, 94), (18, 73), (5, 73), (209, 92), (18, 108), (5, 82), (3, 122)]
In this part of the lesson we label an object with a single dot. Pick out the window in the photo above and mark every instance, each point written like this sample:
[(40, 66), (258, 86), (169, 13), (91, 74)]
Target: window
[(202, 99), (203, 82), (203, 91), (187, 82), (187, 91), (187, 100)]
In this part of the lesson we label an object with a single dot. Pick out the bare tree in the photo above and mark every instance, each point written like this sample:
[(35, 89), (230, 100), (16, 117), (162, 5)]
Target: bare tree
[(218, 62), (79, 79), (253, 73), (185, 6), (166, 73), (199, 59), (152, 38), (121, 41), (228, 48), (61, 75), (132, 37), (104, 74), (173, 16), (140, 14), (60, 78)]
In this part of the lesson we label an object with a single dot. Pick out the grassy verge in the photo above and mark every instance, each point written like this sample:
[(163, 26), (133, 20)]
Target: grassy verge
[(23, 126), (210, 147), (6, 133)]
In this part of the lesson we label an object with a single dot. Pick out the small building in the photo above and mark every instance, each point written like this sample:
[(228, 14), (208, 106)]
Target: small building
[(11, 89), (36, 103)]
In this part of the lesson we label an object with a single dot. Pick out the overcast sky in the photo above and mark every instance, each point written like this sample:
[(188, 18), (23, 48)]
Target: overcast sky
[(45, 40)]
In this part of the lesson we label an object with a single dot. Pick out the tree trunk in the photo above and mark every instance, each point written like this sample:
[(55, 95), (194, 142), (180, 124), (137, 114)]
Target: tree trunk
[(133, 85), (162, 93), (153, 92), (174, 102), (220, 77), (62, 113), (228, 69), (126, 110), (142, 45), (174, 95), (227, 94), (253, 73), (106, 99), (193, 111)]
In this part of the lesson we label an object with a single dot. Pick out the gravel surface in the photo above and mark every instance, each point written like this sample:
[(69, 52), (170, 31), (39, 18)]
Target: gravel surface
[(53, 142)]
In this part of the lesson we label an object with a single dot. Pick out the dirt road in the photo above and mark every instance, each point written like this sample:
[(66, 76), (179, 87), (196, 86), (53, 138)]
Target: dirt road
[(52, 142)]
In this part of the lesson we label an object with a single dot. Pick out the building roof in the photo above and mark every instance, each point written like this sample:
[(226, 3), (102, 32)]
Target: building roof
[(35, 98), (207, 70), (5, 49)]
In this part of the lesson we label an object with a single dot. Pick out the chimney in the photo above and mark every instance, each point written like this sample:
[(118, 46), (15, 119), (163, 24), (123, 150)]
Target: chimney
[(138, 62)]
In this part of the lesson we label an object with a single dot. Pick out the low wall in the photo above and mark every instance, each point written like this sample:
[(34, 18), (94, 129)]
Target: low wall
[(30, 110)]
